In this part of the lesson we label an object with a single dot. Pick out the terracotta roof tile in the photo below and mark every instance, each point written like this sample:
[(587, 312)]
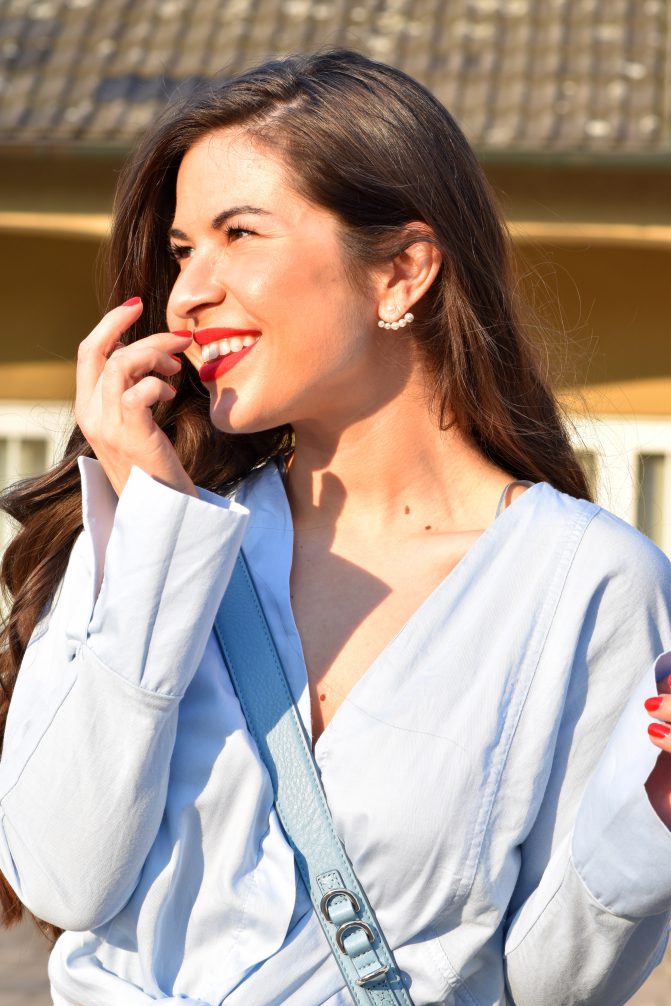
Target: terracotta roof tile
[(519, 75)]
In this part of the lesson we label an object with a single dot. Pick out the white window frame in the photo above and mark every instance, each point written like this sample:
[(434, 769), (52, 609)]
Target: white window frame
[(39, 420), (618, 442)]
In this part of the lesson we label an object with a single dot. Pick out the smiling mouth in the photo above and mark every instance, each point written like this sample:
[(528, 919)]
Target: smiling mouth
[(223, 347)]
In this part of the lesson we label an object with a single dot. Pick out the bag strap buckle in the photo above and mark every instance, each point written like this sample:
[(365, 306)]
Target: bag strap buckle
[(379, 973)]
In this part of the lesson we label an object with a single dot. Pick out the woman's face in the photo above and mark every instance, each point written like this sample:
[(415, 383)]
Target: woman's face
[(260, 264)]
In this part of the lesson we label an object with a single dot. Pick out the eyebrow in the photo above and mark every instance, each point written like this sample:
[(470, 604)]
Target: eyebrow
[(221, 219)]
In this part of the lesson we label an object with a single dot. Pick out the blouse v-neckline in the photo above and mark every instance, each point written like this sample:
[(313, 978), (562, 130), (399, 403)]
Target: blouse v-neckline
[(274, 472)]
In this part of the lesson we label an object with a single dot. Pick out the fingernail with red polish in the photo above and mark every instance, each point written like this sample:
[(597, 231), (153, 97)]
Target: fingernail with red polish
[(185, 335), (660, 731), (175, 357), (652, 705), (132, 302)]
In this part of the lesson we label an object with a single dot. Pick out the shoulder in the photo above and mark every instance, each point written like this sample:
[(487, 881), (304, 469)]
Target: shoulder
[(608, 589), (618, 583), (601, 538), (613, 548), (624, 549), (589, 562)]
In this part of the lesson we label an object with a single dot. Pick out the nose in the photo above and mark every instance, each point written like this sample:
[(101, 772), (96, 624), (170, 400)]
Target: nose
[(196, 289)]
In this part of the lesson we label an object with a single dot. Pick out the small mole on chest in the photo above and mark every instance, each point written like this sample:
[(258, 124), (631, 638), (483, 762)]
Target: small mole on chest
[(407, 509), (322, 698)]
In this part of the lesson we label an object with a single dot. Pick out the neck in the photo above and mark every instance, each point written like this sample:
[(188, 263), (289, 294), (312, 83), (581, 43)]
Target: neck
[(389, 473)]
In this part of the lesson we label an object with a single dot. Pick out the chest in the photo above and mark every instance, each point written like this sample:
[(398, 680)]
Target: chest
[(348, 607)]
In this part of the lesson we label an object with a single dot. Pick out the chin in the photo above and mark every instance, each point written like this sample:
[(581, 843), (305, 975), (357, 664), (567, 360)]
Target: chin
[(226, 420)]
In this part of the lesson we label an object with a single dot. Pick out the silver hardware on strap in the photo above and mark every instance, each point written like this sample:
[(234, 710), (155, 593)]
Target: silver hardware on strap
[(378, 973), (275, 725), (323, 905), (354, 924)]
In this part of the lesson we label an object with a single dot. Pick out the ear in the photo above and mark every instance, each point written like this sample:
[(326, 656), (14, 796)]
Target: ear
[(404, 280)]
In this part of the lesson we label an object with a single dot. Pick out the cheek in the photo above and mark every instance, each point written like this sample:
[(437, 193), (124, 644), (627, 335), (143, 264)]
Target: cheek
[(265, 281), (283, 279)]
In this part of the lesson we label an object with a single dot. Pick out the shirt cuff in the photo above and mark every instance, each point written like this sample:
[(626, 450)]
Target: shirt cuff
[(99, 502), (621, 847), (168, 558)]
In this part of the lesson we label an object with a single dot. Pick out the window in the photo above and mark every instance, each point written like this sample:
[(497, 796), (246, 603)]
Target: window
[(589, 462), (32, 435), (651, 495), (628, 465), (21, 457)]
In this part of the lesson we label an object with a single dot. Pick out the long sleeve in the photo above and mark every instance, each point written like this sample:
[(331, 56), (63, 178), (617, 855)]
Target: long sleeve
[(93, 719), (590, 924)]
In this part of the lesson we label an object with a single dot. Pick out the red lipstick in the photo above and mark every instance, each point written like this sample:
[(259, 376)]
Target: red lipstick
[(217, 368), (214, 369), (207, 335)]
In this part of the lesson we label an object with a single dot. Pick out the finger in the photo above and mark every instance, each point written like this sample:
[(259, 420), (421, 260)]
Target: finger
[(660, 735), (659, 706), (153, 352), (126, 368), (166, 342), (130, 363), (98, 345), (138, 400)]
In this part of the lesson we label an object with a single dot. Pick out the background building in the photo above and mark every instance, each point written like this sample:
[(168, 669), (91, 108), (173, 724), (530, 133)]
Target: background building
[(566, 101)]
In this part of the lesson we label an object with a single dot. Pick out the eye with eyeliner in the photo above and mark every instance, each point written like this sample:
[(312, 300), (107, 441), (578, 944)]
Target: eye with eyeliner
[(232, 231), (179, 252)]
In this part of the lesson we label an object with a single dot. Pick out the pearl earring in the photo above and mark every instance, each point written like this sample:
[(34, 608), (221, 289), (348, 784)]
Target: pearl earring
[(400, 323)]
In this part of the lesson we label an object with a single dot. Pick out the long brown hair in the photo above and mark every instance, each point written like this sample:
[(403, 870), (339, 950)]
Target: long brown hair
[(374, 147)]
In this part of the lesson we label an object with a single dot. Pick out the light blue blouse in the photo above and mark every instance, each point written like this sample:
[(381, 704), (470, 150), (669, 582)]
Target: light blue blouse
[(485, 774)]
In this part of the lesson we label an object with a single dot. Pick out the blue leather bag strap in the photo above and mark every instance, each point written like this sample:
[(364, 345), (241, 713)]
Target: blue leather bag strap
[(353, 933)]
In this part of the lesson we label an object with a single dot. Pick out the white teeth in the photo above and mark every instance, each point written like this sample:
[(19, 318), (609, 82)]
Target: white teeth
[(213, 350)]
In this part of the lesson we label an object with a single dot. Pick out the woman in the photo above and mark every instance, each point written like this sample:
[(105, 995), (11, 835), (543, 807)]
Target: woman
[(316, 239)]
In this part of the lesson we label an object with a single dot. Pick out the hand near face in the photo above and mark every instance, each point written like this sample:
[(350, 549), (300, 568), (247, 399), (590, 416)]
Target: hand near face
[(658, 785), (115, 395)]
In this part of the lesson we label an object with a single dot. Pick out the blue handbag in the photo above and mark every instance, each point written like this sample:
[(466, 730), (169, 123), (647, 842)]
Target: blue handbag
[(348, 921)]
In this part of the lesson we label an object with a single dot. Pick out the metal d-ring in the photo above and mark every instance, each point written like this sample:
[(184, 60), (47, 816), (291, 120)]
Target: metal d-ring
[(374, 975), (354, 924), (323, 904)]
